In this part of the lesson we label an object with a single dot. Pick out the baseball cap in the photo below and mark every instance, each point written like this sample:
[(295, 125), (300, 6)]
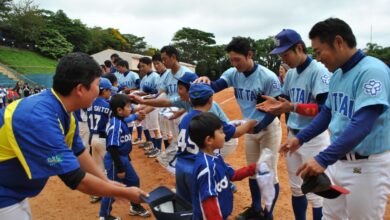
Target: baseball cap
[(188, 77), (166, 205), (105, 83), (322, 186), (200, 91), (284, 40)]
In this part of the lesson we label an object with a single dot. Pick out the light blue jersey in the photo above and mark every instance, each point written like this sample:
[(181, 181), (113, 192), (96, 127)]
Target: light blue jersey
[(261, 81), (129, 80), (303, 88), (149, 83), (177, 102), (367, 83), (163, 77), (169, 85)]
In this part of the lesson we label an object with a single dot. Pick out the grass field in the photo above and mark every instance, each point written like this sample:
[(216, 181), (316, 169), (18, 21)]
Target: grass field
[(25, 61)]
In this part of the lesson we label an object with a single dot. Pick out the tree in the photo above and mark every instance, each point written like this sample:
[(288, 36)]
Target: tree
[(261, 49), (102, 39), (137, 44), (379, 52), (25, 22), (193, 44), (53, 44), (5, 7)]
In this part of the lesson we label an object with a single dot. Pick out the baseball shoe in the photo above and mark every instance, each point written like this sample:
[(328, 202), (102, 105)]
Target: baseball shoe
[(137, 209), (234, 188), (110, 217), (155, 153), (95, 199), (151, 151), (137, 141), (250, 213)]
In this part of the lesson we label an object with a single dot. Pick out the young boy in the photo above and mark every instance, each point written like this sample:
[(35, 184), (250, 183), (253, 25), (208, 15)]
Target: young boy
[(117, 160), (201, 97), (212, 197)]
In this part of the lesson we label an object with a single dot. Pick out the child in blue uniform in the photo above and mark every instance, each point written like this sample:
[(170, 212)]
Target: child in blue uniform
[(117, 160), (212, 197)]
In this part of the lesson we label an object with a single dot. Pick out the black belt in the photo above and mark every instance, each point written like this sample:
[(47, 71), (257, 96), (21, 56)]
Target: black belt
[(294, 131), (102, 135), (357, 157)]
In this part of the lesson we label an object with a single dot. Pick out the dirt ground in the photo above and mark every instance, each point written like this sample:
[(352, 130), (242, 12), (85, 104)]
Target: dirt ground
[(58, 202)]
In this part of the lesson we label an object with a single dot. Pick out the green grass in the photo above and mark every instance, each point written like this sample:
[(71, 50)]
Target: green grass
[(25, 61)]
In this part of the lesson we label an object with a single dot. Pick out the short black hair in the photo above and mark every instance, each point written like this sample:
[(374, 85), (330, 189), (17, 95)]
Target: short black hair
[(116, 60), (304, 49), (200, 102), (123, 63), (240, 45), (111, 77), (145, 60), (170, 50), (114, 55), (328, 29), (186, 85), (156, 57), (118, 101), (73, 69), (108, 63), (203, 125)]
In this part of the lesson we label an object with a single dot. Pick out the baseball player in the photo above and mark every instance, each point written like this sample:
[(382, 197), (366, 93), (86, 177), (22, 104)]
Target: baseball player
[(251, 80), (357, 114), (47, 142), (212, 197), (149, 86), (201, 97), (164, 122), (117, 160), (306, 82)]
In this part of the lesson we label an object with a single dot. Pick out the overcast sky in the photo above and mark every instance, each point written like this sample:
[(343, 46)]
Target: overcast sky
[(158, 20)]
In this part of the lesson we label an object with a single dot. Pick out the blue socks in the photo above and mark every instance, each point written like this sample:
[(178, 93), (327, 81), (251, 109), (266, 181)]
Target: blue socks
[(147, 135), (166, 144), (255, 194), (317, 213), (299, 204), (139, 132), (158, 143)]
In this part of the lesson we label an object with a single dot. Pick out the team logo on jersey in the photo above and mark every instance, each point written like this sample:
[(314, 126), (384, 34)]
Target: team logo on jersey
[(221, 185), (55, 159), (357, 170), (372, 87), (325, 79), (275, 85)]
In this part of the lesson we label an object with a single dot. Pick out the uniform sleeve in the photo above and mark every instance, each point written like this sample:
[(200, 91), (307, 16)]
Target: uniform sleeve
[(77, 143), (42, 144), (272, 87), (228, 76), (229, 130), (373, 88), (321, 82), (176, 102), (216, 109), (205, 182), (113, 133)]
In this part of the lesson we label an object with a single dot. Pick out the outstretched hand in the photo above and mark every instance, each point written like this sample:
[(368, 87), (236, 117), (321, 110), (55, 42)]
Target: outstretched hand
[(203, 79), (273, 106), (291, 145), (136, 98)]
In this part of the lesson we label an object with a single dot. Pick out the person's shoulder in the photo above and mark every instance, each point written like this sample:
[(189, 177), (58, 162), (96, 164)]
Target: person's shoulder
[(370, 62), (265, 72)]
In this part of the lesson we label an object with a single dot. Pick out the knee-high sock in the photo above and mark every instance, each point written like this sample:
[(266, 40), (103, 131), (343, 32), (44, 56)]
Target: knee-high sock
[(147, 135), (269, 212), (158, 142), (317, 213), (255, 194), (166, 144), (299, 204), (139, 132)]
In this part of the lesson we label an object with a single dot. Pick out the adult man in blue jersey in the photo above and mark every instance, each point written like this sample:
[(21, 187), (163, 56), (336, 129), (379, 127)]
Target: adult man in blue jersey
[(128, 80), (39, 138), (357, 114), (306, 82), (251, 80)]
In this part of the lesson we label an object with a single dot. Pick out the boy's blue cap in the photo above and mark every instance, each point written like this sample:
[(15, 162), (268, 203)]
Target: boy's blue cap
[(188, 78), (166, 205), (284, 40), (105, 83), (200, 91)]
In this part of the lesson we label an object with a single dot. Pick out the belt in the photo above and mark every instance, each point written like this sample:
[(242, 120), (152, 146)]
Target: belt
[(294, 131), (354, 156), (102, 134)]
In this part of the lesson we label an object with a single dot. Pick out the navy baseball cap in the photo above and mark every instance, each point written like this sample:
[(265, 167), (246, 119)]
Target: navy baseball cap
[(322, 186), (284, 40), (105, 83), (200, 91), (166, 205), (187, 78)]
